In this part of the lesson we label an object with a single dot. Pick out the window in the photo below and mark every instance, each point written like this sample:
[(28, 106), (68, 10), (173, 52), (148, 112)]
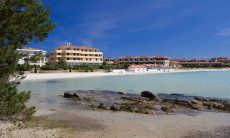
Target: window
[(67, 58), (67, 53), (59, 53)]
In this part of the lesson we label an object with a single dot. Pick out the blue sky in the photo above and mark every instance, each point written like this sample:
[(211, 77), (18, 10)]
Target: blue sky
[(173, 28)]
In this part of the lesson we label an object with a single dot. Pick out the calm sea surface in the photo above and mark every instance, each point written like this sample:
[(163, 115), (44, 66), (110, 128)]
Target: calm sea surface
[(207, 84)]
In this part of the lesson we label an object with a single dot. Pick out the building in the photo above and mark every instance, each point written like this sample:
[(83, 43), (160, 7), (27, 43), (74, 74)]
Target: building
[(74, 55), (199, 63), (137, 68), (224, 60), (33, 56), (155, 60)]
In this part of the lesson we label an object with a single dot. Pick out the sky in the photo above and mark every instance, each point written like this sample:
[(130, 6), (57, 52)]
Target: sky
[(173, 28)]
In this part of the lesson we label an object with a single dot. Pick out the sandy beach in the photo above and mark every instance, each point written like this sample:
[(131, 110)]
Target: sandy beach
[(85, 123), (60, 75), (103, 124)]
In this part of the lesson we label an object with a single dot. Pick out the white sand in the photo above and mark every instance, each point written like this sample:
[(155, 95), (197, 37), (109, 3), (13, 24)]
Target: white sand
[(46, 76)]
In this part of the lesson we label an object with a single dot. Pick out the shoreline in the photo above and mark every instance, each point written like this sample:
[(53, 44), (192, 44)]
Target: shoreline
[(68, 75)]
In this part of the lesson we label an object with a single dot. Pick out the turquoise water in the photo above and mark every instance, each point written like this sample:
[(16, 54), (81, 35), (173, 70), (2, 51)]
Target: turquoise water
[(207, 84)]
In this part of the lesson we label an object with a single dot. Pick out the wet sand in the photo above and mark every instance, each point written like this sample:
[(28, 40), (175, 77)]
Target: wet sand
[(103, 124)]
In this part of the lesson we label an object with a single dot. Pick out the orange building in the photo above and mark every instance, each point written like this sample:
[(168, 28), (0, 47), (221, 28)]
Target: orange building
[(74, 55)]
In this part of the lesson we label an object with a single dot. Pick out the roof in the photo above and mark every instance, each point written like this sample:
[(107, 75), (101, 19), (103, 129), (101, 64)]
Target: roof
[(137, 66), (77, 47), (144, 57), (29, 49)]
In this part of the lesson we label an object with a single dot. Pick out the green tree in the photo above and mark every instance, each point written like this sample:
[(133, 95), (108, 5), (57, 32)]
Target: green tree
[(21, 21), (62, 65), (37, 57)]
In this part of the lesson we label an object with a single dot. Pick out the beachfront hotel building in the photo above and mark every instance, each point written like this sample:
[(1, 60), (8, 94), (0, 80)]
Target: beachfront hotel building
[(196, 62), (27, 53), (75, 55), (137, 60)]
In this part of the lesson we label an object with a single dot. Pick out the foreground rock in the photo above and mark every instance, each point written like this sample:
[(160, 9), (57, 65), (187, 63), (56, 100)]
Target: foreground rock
[(167, 108), (70, 95), (74, 96), (149, 95)]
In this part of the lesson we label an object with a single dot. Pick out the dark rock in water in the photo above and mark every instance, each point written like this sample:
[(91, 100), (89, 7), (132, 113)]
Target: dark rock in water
[(70, 95), (137, 107), (182, 103), (167, 108), (87, 99), (148, 94), (201, 99), (135, 99), (120, 93), (102, 106), (218, 105), (168, 100), (226, 106)]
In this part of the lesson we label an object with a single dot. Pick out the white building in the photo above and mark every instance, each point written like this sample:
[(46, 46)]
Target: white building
[(27, 53), (137, 68)]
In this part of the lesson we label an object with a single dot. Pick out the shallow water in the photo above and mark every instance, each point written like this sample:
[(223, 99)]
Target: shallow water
[(207, 84)]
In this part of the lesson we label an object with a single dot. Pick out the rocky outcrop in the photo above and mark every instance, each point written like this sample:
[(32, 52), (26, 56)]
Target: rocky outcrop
[(74, 96), (167, 108), (70, 95), (102, 106), (182, 103), (138, 107), (149, 95), (197, 102), (146, 102), (120, 93), (114, 107)]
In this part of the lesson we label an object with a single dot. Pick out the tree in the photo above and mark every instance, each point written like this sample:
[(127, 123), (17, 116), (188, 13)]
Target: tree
[(21, 21), (62, 65), (37, 57)]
